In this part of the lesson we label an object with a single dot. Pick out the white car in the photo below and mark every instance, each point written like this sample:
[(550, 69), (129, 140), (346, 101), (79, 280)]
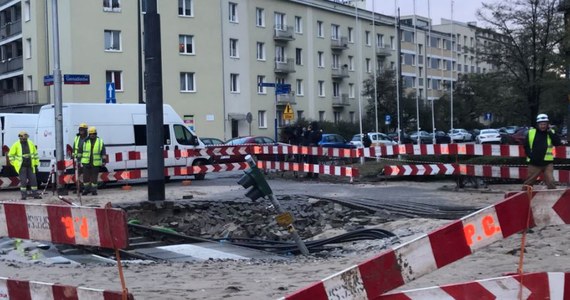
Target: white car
[(377, 139), (489, 136), (460, 135)]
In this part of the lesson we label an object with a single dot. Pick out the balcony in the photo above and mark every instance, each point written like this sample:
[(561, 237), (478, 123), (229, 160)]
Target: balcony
[(19, 98), (283, 33), (340, 101), (284, 99), (10, 29), (11, 65), (384, 51), (339, 44), (285, 67), (340, 73)]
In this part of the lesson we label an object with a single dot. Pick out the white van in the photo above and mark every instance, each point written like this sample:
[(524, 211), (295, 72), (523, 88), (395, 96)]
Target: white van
[(122, 128), (11, 124)]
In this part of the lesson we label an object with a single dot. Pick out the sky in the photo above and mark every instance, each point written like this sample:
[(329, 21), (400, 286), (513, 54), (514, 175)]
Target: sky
[(463, 10)]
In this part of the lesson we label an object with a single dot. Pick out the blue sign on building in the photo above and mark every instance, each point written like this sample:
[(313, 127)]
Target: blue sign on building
[(388, 119), (110, 93), (282, 88), (48, 80), (76, 79), (488, 116)]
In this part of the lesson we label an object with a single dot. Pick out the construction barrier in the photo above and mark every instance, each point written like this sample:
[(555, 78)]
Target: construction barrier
[(303, 167), (24, 290), (546, 285), (409, 261)]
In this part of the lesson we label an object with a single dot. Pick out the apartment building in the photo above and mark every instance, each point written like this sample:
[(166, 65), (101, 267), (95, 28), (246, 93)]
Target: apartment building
[(215, 54)]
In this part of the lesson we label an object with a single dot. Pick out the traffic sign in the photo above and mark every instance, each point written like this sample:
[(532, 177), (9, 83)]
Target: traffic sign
[(110, 92), (288, 112), (266, 84), (76, 79), (282, 88), (488, 116), (388, 119), (48, 80)]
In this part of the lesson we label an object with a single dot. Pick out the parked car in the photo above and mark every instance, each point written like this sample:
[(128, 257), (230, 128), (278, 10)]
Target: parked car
[(489, 136), (425, 137), (511, 129), (518, 137), (208, 141), (505, 136), (441, 137), (460, 135), (246, 140), (405, 137), (333, 140), (377, 139)]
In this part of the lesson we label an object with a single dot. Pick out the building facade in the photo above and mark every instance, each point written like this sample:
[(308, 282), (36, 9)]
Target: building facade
[(216, 54)]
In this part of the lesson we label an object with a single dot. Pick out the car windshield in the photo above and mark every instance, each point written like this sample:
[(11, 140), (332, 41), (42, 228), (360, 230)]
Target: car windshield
[(356, 137), (489, 131)]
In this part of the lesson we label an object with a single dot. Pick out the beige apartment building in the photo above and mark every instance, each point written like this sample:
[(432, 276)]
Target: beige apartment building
[(215, 54)]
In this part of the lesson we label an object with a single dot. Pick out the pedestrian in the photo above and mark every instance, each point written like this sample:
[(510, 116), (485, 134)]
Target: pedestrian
[(92, 158), (80, 138), (538, 146), (24, 157), (314, 137)]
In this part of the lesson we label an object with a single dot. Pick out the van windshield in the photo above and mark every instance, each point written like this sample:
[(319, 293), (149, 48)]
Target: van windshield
[(183, 136)]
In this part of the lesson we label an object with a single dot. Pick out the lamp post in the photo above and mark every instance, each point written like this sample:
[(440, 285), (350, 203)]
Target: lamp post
[(375, 56), (358, 42), (398, 66)]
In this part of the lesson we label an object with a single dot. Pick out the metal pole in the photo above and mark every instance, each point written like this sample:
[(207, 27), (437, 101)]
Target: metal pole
[(359, 77), (398, 67), (290, 227), (417, 96), (58, 111), (375, 65), (275, 121), (451, 96), (426, 71)]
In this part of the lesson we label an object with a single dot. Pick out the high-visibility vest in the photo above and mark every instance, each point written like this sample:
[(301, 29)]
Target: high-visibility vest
[(76, 146), (96, 152), (548, 156), (16, 157)]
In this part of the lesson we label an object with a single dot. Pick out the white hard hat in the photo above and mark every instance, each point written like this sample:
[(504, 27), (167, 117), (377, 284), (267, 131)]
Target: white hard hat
[(542, 118)]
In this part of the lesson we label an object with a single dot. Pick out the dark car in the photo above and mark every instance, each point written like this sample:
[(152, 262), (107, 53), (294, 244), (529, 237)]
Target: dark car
[(425, 137), (405, 138), (333, 140), (246, 140), (208, 141), (441, 137), (518, 137)]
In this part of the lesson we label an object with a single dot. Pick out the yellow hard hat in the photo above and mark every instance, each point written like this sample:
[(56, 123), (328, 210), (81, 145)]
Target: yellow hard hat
[(92, 130), (83, 125), (23, 133)]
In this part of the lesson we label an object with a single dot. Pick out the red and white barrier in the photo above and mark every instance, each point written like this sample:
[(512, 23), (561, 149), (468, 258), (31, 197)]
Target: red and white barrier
[(6, 182), (426, 169), (24, 290), (403, 264), (182, 171), (102, 227), (306, 150), (302, 167), (547, 285)]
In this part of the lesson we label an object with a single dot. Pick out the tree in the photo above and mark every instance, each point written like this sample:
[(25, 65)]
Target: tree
[(525, 49)]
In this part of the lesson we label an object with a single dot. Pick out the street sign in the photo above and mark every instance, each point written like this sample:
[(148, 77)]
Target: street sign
[(266, 84), (48, 80), (288, 112), (488, 116), (388, 119), (282, 89), (110, 93), (76, 79)]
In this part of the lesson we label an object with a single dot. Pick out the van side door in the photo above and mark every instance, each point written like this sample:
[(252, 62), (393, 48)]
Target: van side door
[(141, 145), (183, 140)]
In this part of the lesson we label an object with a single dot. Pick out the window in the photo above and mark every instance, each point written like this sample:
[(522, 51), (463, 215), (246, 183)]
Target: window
[(380, 41), (407, 36), (367, 37), (186, 44), (299, 87), (352, 117), (409, 59), (233, 17), (392, 45), (351, 63), (335, 61), (321, 59), (185, 8), (280, 21), (234, 48), (261, 119), (187, 82), (320, 31), (115, 77), (408, 81), (260, 51), (28, 48), (29, 83), (335, 32), (321, 115), (183, 136), (112, 40), (434, 42), (351, 90), (337, 117), (298, 56), (350, 35), (336, 89), (298, 24), (27, 10), (280, 54), (261, 89), (368, 66), (321, 84), (111, 5), (300, 115), (234, 83), (259, 17)]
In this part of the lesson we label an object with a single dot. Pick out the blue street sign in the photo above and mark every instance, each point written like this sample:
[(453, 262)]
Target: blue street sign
[(488, 116), (282, 88), (388, 119), (110, 92), (76, 79), (48, 80), (266, 84)]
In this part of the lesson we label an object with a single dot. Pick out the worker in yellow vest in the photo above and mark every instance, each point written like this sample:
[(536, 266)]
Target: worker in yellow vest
[(93, 157), (24, 157), (80, 138), (538, 147)]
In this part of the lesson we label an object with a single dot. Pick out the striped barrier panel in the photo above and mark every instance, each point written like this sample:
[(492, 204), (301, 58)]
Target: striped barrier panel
[(6, 182), (419, 169), (101, 227), (302, 167), (546, 285), (306, 150), (28, 290), (404, 263)]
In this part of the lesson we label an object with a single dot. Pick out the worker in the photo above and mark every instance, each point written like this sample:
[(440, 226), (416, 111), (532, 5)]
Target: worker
[(24, 158), (80, 138), (93, 157)]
